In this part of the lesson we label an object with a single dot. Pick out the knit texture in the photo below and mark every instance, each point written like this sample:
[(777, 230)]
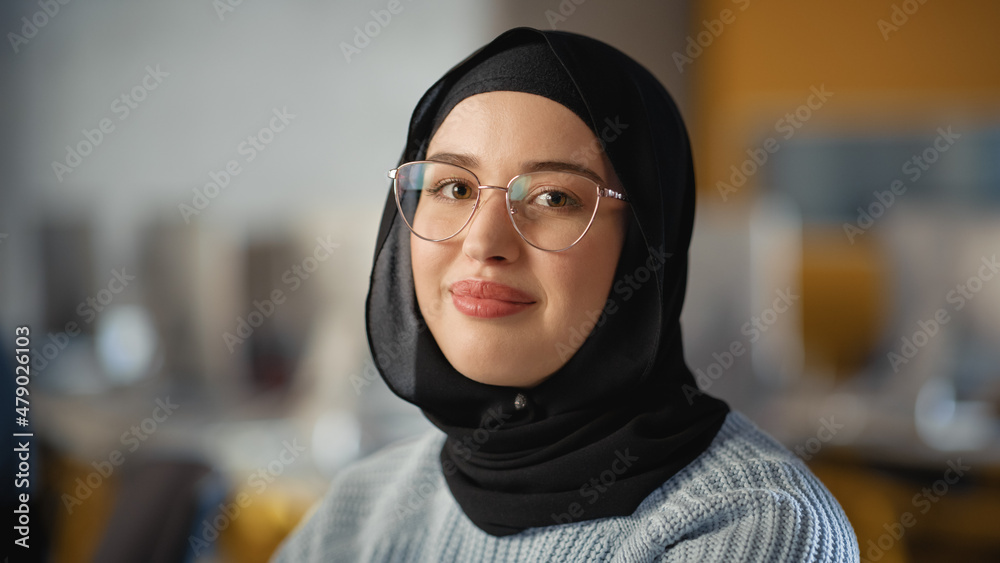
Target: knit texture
[(746, 498)]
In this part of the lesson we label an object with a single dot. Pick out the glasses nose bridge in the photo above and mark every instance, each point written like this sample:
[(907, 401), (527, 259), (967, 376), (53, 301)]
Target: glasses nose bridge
[(480, 202), (488, 187), (482, 187)]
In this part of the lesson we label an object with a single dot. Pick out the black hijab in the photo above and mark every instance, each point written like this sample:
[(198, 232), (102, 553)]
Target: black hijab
[(622, 415)]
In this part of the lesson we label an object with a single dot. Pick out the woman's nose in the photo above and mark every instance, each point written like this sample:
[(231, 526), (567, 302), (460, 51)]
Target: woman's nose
[(490, 234)]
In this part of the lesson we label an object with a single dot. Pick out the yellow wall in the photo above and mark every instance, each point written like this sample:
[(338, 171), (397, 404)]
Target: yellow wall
[(941, 67)]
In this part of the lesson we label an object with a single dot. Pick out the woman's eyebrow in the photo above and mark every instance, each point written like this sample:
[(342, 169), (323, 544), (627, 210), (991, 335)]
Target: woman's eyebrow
[(561, 166), (464, 160), (471, 162)]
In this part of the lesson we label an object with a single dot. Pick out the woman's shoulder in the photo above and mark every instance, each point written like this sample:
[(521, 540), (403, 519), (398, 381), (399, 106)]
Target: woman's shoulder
[(747, 497), (399, 459), (740, 442), (742, 458), (367, 498)]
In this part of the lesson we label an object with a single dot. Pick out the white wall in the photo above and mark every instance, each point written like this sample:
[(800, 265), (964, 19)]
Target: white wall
[(225, 77)]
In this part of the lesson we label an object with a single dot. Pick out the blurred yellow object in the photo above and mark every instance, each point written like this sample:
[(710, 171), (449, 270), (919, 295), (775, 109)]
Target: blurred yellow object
[(78, 527), (264, 522), (767, 62), (868, 501), (844, 300), (892, 525)]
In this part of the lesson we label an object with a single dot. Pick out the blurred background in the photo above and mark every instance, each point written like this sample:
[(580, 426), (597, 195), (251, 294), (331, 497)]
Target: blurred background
[(191, 194)]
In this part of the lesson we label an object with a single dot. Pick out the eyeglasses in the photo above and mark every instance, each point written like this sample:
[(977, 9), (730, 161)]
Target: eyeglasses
[(551, 210)]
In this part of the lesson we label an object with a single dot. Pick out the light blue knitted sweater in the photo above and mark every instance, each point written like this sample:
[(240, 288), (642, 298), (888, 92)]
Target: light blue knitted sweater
[(746, 498)]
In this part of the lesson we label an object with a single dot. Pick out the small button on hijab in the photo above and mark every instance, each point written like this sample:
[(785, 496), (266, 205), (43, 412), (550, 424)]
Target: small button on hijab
[(520, 401)]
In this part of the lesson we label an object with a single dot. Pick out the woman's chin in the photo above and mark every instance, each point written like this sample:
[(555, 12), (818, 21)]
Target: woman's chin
[(513, 375), (494, 353)]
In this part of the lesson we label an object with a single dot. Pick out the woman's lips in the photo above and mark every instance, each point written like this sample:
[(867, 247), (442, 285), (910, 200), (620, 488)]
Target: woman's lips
[(488, 300)]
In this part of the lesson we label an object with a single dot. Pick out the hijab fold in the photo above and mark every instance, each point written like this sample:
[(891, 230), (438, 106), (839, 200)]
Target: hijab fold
[(623, 414)]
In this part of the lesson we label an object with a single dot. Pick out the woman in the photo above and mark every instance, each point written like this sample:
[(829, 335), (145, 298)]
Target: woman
[(528, 281)]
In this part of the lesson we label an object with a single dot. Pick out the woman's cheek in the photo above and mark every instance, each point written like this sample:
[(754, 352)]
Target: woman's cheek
[(430, 266)]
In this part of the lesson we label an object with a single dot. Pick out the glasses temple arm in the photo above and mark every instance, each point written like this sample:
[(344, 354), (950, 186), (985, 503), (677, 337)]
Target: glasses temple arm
[(605, 192)]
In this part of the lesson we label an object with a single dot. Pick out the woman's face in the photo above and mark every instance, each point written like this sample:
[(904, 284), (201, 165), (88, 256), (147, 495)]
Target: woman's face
[(515, 338)]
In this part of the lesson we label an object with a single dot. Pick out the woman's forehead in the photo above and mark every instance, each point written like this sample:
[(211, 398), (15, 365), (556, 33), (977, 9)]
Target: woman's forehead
[(508, 128)]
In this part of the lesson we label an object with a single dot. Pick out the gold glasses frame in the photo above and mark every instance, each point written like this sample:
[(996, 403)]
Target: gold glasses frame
[(602, 192)]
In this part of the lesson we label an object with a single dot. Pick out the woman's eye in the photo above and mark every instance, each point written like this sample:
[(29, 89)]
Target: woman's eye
[(553, 199), (458, 191), (451, 190)]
